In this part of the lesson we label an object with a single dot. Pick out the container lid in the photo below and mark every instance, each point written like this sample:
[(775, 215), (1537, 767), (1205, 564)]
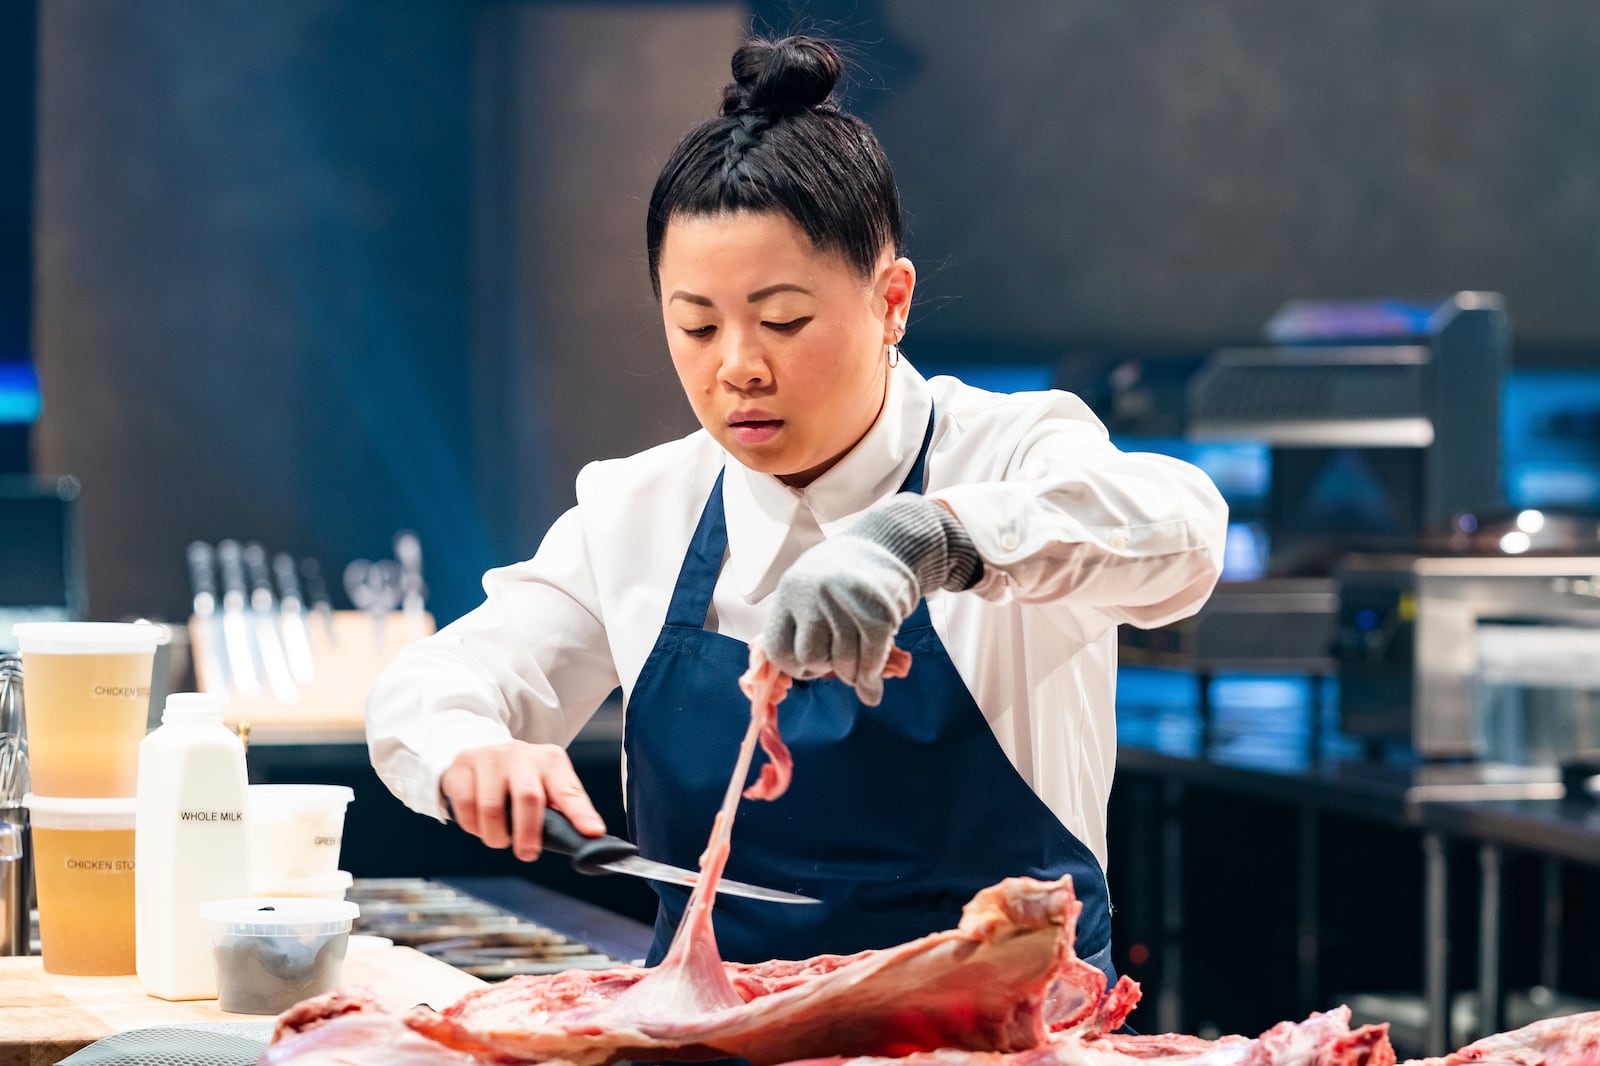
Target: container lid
[(192, 708), (338, 881), (52, 812), (303, 795), (277, 915), (86, 638)]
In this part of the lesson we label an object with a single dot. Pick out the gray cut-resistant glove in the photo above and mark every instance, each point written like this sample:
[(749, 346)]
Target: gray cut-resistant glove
[(838, 608)]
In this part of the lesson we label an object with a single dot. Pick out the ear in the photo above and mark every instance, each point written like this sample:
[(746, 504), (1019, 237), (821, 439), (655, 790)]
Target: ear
[(896, 282)]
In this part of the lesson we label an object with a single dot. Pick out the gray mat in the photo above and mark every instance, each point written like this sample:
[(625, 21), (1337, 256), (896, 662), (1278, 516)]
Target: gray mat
[(199, 1044)]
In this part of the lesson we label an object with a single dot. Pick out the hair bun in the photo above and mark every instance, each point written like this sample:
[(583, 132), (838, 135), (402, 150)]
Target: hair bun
[(788, 74)]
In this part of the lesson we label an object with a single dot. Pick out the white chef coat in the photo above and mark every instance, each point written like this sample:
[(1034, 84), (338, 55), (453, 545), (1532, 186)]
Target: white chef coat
[(1076, 537)]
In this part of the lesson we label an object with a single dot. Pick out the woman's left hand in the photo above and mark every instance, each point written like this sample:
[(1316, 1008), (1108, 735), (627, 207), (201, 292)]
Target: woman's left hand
[(838, 608)]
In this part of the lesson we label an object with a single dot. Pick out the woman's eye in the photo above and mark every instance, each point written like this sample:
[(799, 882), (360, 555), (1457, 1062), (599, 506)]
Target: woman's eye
[(701, 332), (788, 327)]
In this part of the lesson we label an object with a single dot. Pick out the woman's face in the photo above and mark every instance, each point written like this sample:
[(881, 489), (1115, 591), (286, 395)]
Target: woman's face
[(780, 348)]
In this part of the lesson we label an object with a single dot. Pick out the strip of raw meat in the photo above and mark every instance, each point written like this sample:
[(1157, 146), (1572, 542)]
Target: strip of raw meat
[(1320, 1040), (351, 1028), (1570, 1041), (766, 686), (981, 986), (691, 981)]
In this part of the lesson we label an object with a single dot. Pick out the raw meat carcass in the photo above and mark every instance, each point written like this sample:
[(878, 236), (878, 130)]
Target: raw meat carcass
[(1320, 1040), (1570, 1041), (352, 1028), (989, 985)]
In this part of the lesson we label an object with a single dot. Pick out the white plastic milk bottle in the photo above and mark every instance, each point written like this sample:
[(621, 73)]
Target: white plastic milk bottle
[(189, 843)]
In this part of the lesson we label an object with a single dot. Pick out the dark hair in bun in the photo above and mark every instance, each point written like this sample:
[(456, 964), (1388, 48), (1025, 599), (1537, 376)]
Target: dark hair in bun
[(782, 144), (787, 75)]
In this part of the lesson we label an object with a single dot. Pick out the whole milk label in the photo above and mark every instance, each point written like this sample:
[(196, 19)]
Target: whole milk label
[(210, 816)]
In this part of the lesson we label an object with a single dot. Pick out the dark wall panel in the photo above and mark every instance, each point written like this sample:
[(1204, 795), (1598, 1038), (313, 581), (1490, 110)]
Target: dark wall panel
[(252, 271), (1166, 171)]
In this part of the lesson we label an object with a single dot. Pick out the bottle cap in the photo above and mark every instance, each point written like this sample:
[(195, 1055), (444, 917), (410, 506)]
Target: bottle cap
[(192, 708)]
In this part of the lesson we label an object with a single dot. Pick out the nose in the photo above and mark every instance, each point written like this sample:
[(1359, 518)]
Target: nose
[(744, 362)]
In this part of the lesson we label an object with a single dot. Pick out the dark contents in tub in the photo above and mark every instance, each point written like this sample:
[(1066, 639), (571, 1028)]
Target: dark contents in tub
[(270, 974)]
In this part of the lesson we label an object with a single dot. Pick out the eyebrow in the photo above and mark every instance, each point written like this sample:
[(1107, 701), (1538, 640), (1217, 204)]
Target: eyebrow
[(758, 295), (762, 294)]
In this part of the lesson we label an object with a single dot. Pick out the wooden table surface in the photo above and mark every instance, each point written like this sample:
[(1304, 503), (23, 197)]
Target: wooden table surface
[(44, 1017)]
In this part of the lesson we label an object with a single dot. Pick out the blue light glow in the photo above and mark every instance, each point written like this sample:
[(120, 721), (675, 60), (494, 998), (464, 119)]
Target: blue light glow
[(19, 394)]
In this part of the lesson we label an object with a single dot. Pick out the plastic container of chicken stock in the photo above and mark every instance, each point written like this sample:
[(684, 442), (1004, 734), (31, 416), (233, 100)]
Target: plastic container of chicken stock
[(272, 953), (83, 861)]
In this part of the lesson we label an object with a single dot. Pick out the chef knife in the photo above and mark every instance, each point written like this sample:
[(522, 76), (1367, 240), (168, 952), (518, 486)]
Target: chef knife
[(203, 577), (264, 622), (317, 597), (413, 591), (613, 855), (235, 626), (292, 619)]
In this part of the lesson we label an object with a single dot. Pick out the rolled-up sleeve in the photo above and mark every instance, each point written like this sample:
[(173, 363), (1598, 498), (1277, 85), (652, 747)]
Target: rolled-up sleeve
[(1073, 520), (531, 663)]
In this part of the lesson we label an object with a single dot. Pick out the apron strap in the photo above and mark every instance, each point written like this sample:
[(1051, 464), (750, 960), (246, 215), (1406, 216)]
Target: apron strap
[(691, 597), (697, 579)]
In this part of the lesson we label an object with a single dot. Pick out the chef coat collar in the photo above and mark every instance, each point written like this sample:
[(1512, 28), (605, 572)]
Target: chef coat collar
[(762, 511)]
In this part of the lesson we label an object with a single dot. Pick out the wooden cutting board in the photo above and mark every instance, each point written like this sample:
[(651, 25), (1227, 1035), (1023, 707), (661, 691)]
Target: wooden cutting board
[(45, 1017)]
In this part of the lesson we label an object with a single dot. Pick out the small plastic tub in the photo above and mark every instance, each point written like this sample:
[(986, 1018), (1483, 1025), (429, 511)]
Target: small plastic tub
[(332, 887), (83, 865), (295, 832), (273, 953)]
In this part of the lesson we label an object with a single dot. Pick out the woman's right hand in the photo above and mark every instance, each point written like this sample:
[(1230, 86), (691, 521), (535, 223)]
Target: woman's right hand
[(476, 786)]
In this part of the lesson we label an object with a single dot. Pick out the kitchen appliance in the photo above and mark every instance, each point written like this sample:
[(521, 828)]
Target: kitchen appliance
[(41, 553), (1383, 419), (538, 932), (1411, 629)]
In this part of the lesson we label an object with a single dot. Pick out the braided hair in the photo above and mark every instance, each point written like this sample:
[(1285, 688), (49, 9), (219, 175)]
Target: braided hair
[(781, 144)]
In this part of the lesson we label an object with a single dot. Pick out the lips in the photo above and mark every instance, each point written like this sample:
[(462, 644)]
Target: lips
[(754, 427)]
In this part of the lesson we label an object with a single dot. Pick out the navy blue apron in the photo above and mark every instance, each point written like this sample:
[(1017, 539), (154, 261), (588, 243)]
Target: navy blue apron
[(897, 815)]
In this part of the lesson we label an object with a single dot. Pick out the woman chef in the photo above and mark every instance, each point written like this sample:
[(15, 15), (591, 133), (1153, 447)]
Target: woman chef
[(835, 503)]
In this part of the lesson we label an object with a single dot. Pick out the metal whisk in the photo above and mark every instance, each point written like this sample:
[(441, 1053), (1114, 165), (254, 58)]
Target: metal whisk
[(15, 856)]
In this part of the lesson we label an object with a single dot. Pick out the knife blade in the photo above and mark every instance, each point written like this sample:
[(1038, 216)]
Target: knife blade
[(203, 578), (235, 626), (609, 854), (292, 619), (264, 619)]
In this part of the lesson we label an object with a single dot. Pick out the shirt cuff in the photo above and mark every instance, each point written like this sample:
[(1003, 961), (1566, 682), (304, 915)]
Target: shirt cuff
[(447, 735), (996, 517)]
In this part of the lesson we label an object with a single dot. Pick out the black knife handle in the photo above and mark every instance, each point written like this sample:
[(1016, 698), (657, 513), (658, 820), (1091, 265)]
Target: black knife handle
[(288, 580), (589, 854), (255, 564), (231, 563), (203, 569), (316, 589)]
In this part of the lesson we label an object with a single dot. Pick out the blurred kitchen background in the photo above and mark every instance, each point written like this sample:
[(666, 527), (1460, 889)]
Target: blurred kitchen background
[(309, 272)]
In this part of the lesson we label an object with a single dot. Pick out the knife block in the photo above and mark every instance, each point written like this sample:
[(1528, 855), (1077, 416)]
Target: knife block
[(348, 650)]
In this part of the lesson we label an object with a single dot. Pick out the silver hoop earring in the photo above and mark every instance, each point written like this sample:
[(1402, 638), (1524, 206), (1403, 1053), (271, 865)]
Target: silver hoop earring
[(894, 355)]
